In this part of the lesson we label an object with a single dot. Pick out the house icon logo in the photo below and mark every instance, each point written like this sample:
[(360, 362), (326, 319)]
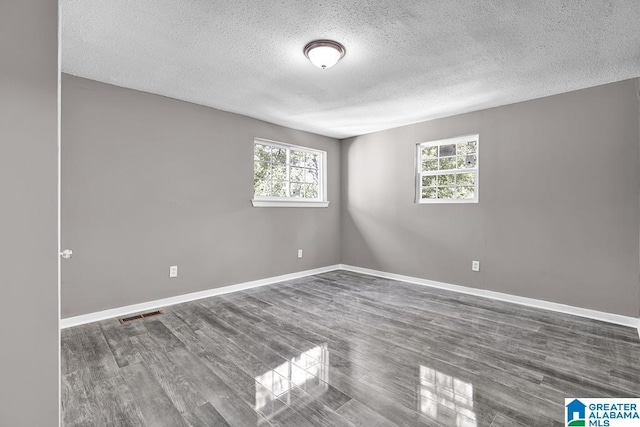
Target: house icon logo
[(576, 413)]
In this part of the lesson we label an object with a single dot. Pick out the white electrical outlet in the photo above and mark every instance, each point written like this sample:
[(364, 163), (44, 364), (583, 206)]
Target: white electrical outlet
[(299, 253), (173, 271), (475, 265)]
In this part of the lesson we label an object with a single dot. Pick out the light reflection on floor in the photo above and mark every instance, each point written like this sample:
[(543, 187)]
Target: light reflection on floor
[(443, 397), (308, 371)]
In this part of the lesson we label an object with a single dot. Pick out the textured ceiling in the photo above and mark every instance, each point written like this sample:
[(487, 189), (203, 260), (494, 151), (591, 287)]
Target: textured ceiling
[(407, 61)]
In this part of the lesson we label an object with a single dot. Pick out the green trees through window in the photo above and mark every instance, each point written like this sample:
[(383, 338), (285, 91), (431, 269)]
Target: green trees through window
[(286, 172), (447, 170)]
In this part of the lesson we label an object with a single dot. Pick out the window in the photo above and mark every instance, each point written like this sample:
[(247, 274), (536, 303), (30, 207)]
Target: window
[(287, 175), (447, 170)]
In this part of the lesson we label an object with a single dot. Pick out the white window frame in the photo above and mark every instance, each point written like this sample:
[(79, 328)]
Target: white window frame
[(295, 202), (420, 173)]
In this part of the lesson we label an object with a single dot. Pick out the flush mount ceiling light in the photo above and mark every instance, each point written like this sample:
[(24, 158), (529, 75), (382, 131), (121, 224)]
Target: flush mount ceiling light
[(324, 53)]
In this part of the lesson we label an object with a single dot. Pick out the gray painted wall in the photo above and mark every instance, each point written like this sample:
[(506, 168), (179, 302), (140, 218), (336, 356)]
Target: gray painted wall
[(150, 182), (28, 217), (558, 217)]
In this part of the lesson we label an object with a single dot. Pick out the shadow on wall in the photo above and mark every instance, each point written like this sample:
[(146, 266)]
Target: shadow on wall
[(357, 241), (352, 234)]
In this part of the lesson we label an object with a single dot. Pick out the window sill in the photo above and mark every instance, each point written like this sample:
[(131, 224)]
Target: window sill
[(288, 204), (445, 201)]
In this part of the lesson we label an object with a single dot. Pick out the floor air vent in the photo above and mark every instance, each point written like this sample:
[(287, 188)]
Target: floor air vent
[(140, 316)]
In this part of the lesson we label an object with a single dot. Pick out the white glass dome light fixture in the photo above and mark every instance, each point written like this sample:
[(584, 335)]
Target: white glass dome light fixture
[(324, 53)]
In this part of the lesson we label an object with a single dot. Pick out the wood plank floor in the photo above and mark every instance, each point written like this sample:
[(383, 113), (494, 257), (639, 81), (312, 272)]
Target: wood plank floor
[(343, 349)]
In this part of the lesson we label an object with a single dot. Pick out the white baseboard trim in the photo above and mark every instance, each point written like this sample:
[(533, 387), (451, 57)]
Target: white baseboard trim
[(530, 302), (165, 302)]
